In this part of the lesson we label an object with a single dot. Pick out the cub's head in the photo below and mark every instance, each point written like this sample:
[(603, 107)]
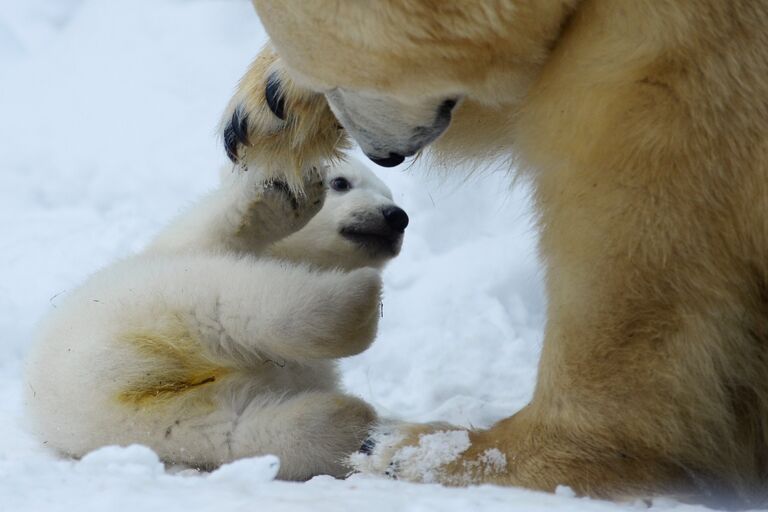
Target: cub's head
[(394, 71), (358, 226)]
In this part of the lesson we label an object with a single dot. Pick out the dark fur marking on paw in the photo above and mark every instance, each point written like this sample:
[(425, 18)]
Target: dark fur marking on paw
[(274, 96), (367, 446), (236, 133), (285, 189)]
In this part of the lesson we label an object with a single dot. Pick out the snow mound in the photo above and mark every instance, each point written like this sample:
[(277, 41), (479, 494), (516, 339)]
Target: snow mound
[(247, 472), (129, 461)]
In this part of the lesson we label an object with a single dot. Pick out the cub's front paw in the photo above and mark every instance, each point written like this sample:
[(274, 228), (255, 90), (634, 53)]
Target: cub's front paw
[(279, 209), (297, 204), (278, 126)]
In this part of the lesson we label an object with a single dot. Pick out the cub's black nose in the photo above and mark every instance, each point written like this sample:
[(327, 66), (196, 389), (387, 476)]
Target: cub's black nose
[(396, 218), (390, 161)]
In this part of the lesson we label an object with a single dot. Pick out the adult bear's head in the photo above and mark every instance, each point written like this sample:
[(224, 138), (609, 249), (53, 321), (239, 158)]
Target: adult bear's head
[(393, 71)]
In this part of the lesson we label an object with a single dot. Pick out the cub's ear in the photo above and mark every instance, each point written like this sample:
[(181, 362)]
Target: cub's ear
[(278, 126)]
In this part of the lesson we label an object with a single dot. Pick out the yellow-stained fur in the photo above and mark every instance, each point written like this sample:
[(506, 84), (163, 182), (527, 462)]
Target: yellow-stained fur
[(176, 365), (643, 128)]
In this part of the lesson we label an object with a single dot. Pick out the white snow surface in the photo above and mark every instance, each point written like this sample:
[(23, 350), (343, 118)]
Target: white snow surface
[(108, 116)]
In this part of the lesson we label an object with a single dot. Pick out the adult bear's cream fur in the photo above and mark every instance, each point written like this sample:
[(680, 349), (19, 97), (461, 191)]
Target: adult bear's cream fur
[(643, 127)]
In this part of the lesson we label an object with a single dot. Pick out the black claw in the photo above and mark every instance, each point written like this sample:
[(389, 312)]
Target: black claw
[(367, 446), (236, 133), (274, 96), (285, 189)]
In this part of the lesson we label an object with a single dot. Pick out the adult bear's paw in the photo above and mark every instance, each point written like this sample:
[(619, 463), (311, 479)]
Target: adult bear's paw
[(276, 125), (430, 453), (413, 452), (235, 133)]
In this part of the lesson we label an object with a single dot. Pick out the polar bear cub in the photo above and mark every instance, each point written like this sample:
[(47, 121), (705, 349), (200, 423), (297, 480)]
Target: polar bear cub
[(218, 341)]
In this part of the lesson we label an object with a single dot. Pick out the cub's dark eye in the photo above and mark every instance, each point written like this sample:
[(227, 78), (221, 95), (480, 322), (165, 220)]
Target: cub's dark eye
[(340, 184)]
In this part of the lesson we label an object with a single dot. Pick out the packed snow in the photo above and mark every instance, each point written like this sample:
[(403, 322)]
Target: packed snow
[(109, 113)]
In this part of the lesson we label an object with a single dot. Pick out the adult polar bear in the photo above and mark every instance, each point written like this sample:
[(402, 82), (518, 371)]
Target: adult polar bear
[(643, 127)]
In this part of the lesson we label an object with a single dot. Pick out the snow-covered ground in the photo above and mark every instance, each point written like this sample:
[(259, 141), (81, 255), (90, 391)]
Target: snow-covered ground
[(108, 114)]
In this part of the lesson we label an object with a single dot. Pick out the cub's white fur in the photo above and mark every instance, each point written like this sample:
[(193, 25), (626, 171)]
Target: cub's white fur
[(217, 342)]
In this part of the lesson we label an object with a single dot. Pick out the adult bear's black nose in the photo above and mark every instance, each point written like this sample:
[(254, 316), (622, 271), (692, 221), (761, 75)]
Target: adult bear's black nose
[(396, 218), (388, 161)]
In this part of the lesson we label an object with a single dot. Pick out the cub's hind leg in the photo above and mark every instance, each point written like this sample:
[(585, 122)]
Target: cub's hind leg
[(312, 433)]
